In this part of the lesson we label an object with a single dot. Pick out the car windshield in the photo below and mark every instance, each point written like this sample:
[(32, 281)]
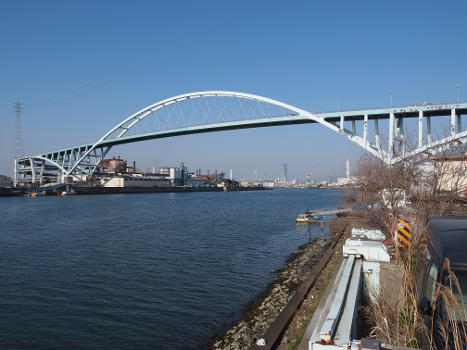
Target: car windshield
[(458, 313)]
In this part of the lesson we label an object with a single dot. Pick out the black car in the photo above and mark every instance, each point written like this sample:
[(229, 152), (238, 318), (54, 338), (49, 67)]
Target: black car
[(444, 250)]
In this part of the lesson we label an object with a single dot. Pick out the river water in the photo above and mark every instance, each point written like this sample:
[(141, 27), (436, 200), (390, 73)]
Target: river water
[(126, 271)]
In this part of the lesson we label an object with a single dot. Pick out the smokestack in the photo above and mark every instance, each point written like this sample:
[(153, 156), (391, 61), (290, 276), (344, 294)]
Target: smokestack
[(134, 167), (231, 176), (347, 168)]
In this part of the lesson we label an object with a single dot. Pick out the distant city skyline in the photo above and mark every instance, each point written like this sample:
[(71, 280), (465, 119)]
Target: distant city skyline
[(80, 68), (255, 174)]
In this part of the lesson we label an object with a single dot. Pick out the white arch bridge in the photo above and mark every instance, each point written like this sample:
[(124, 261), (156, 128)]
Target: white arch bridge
[(383, 132)]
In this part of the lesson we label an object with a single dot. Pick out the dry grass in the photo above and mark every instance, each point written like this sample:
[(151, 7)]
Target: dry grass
[(397, 321), (453, 333), (400, 322)]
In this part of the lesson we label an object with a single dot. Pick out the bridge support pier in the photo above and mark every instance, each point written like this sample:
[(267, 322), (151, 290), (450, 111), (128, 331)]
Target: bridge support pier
[(453, 122), (365, 128), (401, 137), (391, 135), (33, 170), (377, 134), (428, 129), (41, 173), (420, 128)]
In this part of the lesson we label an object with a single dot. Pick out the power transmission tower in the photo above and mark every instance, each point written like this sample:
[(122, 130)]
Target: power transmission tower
[(18, 147)]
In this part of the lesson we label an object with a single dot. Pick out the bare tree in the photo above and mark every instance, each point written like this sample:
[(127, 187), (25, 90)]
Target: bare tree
[(413, 190)]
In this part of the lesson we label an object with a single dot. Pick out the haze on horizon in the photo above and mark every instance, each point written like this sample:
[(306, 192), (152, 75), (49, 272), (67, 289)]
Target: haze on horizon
[(79, 68)]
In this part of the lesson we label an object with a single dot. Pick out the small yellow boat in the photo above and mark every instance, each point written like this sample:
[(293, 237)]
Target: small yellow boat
[(310, 219), (302, 219)]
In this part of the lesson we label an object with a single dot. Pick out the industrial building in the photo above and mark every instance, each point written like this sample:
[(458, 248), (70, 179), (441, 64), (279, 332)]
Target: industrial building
[(134, 181), (5, 181), (114, 172), (113, 165)]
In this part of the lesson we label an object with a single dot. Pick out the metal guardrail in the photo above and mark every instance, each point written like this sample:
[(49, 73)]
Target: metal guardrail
[(335, 325), (329, 326)]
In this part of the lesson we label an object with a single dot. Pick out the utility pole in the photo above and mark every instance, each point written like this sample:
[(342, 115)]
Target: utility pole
[(18, 148)]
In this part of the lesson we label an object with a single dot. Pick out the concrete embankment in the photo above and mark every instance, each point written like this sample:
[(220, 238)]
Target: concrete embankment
[(8, 192), (178, 189), (261, 315), (44, 191)]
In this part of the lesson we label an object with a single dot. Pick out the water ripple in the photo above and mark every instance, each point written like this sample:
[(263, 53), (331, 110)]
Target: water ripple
[(143, 270)]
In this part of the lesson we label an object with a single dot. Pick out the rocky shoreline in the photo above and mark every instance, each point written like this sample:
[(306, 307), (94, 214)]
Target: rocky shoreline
[(264, 309)]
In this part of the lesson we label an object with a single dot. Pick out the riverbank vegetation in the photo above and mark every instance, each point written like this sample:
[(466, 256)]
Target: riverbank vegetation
[(413, 191)]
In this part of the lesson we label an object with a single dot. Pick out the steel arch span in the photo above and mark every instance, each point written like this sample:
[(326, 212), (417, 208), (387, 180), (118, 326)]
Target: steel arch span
[(209, 111)]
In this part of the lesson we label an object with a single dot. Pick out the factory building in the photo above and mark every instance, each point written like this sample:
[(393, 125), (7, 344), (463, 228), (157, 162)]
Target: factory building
[(113, 165), (5, 181), (115, 172), (134, 181)]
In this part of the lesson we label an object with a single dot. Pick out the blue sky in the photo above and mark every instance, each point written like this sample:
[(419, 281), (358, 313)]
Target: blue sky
[(80, 67)]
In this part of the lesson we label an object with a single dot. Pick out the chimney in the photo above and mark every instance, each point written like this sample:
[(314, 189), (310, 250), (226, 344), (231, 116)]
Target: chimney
[(134, 167)]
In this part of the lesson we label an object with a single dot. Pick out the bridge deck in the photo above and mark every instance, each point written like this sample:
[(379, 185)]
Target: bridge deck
[(411, 111)]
